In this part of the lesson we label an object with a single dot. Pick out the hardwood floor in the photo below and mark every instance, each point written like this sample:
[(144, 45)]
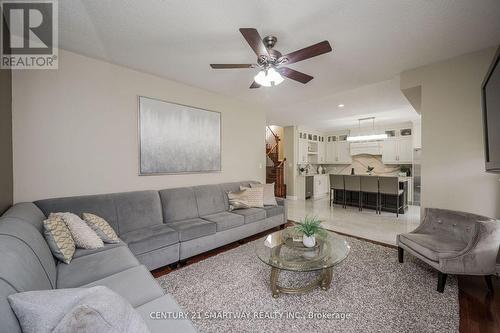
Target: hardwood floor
[(479, 310)]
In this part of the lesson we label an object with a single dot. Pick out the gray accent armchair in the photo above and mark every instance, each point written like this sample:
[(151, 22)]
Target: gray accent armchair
[(454, 243)]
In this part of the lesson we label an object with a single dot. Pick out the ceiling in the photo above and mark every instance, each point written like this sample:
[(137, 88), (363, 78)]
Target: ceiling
[(373, 41)]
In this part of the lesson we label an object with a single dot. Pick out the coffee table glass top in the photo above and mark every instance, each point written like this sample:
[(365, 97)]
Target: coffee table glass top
[(279, 250)]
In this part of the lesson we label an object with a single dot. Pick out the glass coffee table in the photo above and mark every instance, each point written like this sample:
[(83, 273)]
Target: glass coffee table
[(281, 252)]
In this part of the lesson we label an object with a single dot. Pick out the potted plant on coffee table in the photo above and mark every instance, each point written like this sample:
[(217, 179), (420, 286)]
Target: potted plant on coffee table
[(310, 227)]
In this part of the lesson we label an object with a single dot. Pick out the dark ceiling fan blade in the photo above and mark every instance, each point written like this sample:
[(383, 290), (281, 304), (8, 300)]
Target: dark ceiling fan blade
[(254, 40), (308, 52), (230, 66), (294, 75), (254, 85)]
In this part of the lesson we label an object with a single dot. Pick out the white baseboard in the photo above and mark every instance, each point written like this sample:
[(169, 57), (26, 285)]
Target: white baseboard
[(292, 197)]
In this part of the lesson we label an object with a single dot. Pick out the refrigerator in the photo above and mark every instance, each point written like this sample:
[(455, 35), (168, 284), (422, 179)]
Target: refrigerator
[(417, 155)]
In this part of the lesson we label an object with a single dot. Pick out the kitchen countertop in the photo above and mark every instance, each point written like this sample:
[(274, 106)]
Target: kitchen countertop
[(401, 179)]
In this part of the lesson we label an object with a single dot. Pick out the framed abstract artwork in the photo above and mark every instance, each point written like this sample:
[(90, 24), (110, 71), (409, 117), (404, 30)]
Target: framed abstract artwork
[(176, 138)]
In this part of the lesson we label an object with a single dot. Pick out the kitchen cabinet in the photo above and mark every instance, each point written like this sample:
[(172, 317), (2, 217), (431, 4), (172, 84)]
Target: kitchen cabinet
[(320, 185), (331, 152), (338, 152), (303, 151), (321, 152), (405, 150), (397, 151), (344, 152)]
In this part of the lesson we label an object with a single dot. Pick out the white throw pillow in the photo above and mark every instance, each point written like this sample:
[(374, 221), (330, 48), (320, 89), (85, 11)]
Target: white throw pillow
[(269, 198), (255, 196), (83, 235), (84, 310)]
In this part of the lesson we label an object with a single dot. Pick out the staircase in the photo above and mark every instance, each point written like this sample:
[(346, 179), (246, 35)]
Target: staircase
[(275, 169)]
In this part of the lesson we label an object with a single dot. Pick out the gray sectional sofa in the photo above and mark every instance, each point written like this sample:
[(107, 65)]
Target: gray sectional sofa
[(157, 228)]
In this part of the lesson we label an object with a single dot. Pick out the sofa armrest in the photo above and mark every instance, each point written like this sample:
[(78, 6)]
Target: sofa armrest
[(283, 202), (480, 255)]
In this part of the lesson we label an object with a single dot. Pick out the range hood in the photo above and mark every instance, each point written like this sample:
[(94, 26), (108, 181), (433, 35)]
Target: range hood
[(369, 148)]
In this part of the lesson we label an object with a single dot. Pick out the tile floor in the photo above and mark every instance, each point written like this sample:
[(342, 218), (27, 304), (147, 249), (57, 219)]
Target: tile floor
[(366, 224)]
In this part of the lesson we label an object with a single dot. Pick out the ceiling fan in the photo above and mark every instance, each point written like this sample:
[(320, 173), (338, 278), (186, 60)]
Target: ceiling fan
[(271, 61)]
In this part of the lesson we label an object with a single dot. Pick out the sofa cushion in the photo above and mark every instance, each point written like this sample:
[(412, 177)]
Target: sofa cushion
[(27, 212), (86, 252), (135, 284), (210, 199), (193, 228), (251, 214), (123, 211), (20, 266), (26, 236), (433, 246), (274, 210), (92, 267), (178, 204), (136, 210), (164, 304), (150, 238), (101, 205), (225, 220)]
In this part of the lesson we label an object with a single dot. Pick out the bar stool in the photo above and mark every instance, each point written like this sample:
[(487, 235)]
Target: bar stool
[(369, 184), (390, 186), (337, 184), (353, 184)]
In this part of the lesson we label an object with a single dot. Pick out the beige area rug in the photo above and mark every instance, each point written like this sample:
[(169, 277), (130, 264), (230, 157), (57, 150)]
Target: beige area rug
[(370, 292)]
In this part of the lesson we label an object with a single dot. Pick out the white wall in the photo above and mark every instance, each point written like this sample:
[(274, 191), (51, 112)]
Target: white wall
[(75, 130), (453, 173)]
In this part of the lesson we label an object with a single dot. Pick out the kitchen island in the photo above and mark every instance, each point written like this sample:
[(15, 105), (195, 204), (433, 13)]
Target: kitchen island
[(369, 200)]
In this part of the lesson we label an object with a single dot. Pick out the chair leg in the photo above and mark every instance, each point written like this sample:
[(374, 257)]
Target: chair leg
[(397, 206), (400, 254), (378, 203), (331, 199), (441, 281), (489, 283)]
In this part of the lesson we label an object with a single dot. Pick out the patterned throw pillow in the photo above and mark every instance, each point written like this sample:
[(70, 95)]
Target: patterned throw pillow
[(59, 238), (84, 237), (255, 196), (269, 199), (101, 228), (237, 200)]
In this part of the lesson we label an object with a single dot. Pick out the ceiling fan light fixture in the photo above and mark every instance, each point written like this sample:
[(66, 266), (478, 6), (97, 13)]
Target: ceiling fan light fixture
[(268, 77)]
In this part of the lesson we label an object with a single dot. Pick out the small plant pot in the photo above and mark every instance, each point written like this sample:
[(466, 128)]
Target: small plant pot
[(309, 241)]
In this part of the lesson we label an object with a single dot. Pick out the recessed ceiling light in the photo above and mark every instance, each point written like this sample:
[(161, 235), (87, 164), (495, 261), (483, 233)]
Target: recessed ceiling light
[(341, 105)]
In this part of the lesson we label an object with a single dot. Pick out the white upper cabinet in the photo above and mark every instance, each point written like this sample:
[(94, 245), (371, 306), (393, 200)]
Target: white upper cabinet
[(390, 151), (405, 150), (321, 152), (303, 151), (397, 151), (331, 152), (338, 152), (344, 152)]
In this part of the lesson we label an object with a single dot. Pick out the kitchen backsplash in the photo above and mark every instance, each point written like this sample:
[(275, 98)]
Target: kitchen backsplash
[(360, 164)]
